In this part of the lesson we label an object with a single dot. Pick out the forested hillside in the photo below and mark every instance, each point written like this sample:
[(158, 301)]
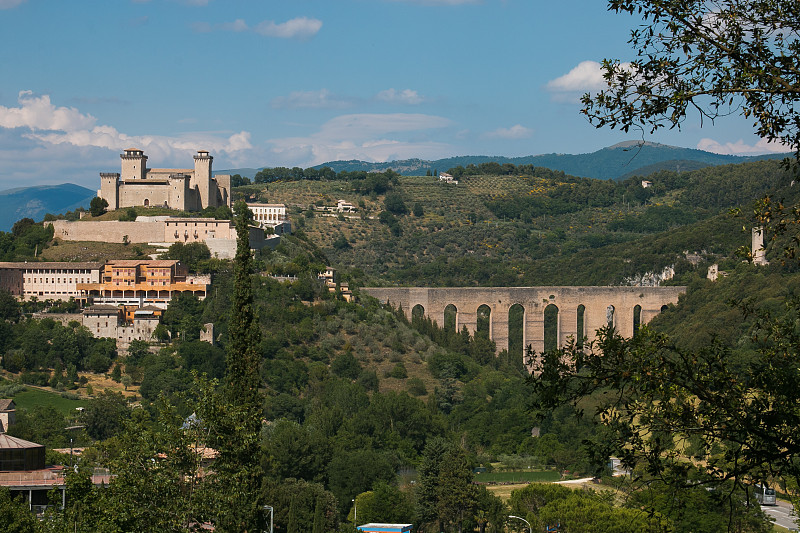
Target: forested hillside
[(507, 225), (362, 405)]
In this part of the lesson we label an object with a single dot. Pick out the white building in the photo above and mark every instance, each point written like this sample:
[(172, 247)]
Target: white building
[(47, 280), (271, 216)]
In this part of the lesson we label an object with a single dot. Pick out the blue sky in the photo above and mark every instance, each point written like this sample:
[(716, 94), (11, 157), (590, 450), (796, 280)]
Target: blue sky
[(298, 83)]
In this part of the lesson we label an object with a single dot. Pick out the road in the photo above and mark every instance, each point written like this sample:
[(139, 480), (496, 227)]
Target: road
[(783, 514)]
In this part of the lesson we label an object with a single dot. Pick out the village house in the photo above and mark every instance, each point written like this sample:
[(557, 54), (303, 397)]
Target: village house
[(447, 178)]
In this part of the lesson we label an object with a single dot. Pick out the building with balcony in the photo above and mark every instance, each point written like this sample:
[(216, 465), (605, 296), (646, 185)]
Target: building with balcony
[(140, 282)]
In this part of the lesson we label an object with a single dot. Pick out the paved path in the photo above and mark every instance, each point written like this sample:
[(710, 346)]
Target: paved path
[(783, 514)]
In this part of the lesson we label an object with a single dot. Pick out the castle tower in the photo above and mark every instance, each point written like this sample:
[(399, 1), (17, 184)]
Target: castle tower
[(759, 253), (134, 164), (109, 189), (202, 179)]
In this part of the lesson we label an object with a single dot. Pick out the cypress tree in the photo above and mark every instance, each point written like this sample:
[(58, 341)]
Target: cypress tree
[(319, 521), (243, 357), (236, 416)]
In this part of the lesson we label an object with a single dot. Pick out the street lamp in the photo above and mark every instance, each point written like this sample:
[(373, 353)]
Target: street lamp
[(271, 512), (355, 511), (530, 528)]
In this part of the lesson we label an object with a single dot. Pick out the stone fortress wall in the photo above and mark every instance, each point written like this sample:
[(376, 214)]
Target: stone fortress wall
[(108, 231), (219, 235)]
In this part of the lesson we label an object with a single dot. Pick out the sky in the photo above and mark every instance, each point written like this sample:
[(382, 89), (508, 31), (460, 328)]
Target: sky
[(298, 83)]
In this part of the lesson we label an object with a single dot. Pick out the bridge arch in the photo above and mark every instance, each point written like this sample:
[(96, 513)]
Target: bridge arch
[(417, 312), (483, 319), (637, 318), (516, 330), (580, 325), (551, 328), (450, 318)]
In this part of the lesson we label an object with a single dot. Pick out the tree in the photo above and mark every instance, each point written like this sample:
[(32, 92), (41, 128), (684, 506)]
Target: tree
[(15, 515), (657, 400), (98, 206), (428, 482), (394, 204), (105, 416), (713, 58), (457, 496), (237, 411), (21, 226), (300, 506), (191, 254)]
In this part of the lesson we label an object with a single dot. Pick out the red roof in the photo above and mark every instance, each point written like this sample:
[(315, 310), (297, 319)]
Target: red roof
[(8, 442)]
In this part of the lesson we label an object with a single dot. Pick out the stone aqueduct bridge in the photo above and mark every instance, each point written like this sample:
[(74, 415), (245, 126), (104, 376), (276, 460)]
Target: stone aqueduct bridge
[(587, 308)]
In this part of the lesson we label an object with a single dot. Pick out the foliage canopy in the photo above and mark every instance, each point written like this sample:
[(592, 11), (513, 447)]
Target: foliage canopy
[(716, 58)]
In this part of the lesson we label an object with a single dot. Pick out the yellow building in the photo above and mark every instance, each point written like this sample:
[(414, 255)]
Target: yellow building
[(143, 282)]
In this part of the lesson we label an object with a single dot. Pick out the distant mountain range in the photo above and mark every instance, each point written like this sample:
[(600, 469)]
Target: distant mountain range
[(36, 202), (615, 162)]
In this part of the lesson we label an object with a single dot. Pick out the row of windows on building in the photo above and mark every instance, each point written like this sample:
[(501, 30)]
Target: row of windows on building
[(55, 280)]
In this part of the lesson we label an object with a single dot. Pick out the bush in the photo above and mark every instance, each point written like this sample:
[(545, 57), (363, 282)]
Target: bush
[(417, 387), (98, 362), (399, 371), (346, 366), (369, 380)]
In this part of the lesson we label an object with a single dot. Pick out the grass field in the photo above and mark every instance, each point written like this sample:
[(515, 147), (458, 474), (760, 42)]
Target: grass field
[(34, 397), (547, 476)]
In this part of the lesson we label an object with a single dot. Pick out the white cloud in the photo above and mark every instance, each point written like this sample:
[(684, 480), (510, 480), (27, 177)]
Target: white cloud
[(366, 137), (763, 146), (321, 99), (406, 96), (237, 25), (587, 76), (517, 131), (53, 125), (297, 28), (8, 4), (37, 113)]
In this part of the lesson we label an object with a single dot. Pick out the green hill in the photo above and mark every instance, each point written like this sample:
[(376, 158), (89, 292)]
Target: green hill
[(615, 162), (543, 228), (35, 202)]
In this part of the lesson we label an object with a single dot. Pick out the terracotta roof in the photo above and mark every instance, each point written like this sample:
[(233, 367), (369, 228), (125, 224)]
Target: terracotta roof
[(49, 264), (196, 219), (102, 308), (6, 404), (147, 262), (8, 442)]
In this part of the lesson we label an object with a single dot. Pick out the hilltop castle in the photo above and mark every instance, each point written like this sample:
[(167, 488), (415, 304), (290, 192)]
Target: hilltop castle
[(176, 188)]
